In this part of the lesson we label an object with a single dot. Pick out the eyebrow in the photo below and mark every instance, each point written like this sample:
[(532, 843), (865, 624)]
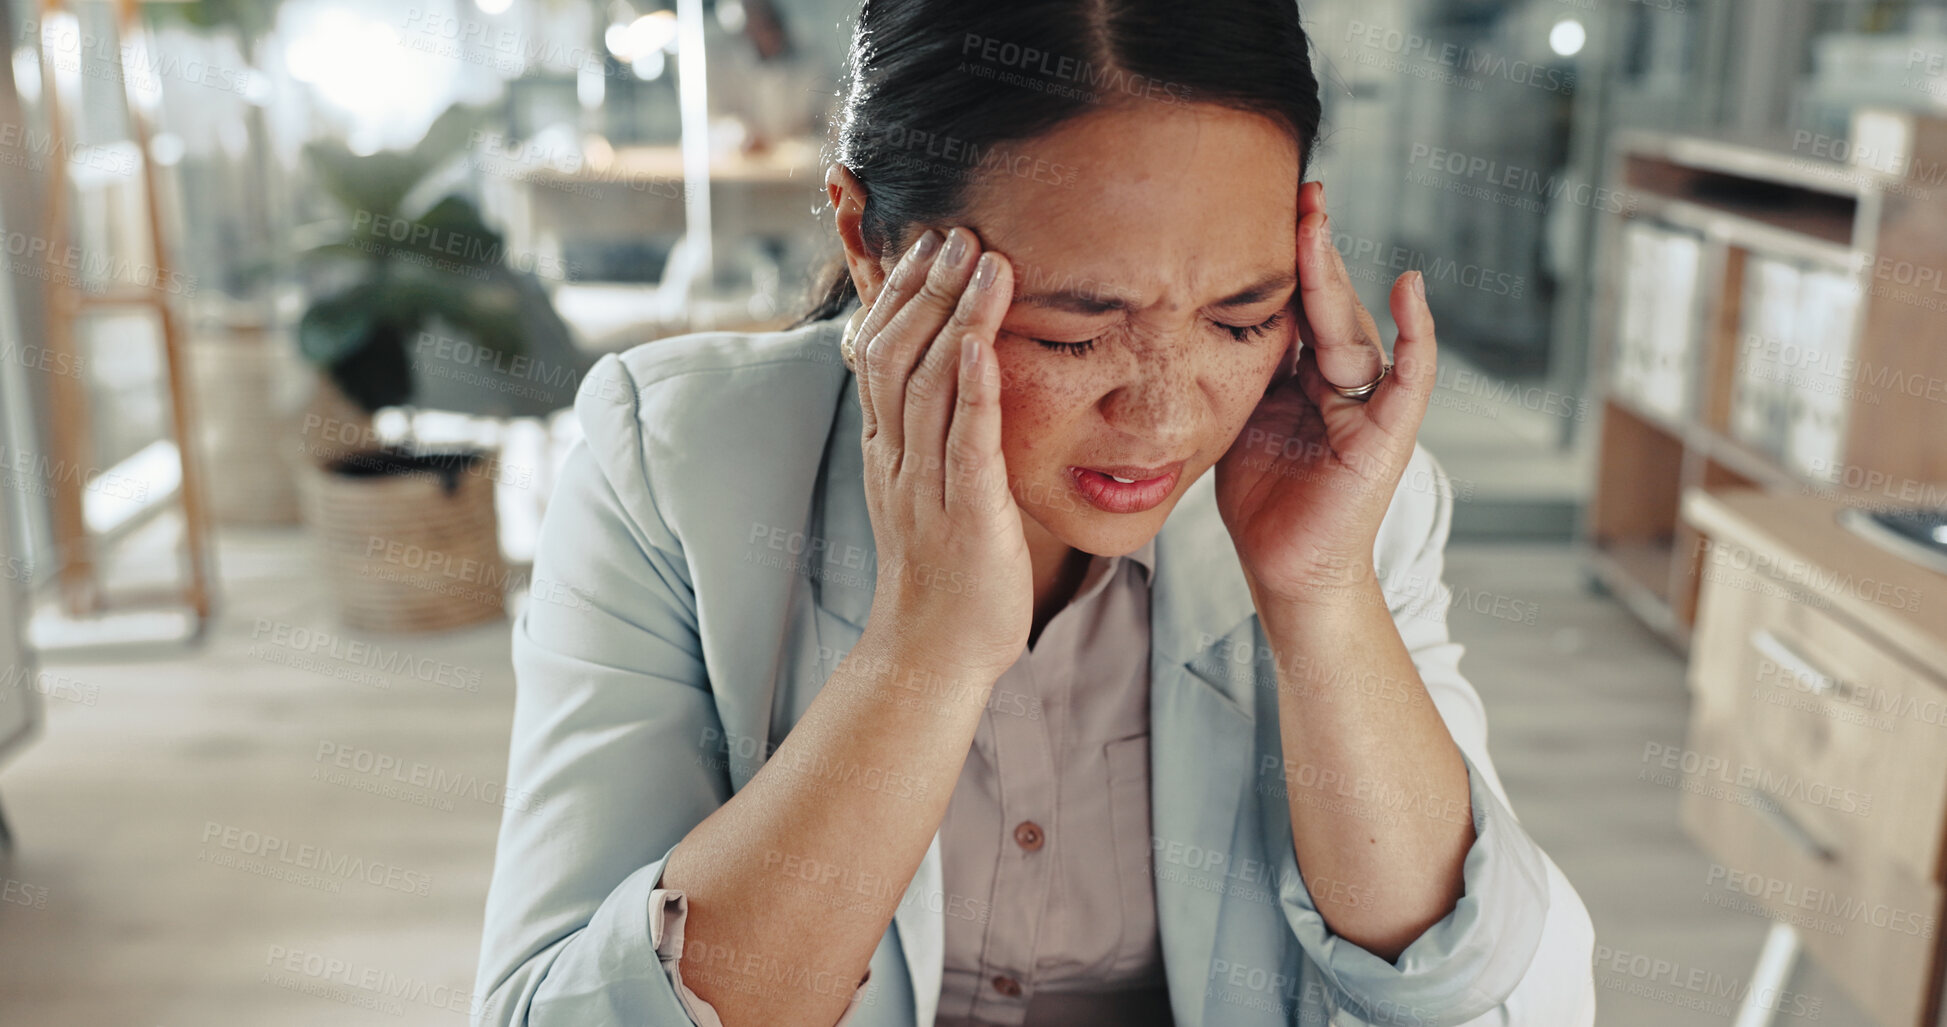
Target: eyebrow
[(1089, 301)]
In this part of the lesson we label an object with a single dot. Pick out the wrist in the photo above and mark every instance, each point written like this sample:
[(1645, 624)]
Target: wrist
[(896, 662), (1327, 582), (1322, 610)]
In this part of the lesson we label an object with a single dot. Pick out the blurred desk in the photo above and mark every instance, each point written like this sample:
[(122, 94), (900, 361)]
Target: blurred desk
[(639, 191), (1816, 768), (636, 195)]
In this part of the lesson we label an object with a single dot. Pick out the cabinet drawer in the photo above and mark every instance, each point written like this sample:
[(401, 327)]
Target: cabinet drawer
[(1875, 927), (1844, 735)]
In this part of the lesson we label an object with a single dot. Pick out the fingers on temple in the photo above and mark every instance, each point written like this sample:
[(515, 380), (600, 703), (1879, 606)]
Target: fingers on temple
[(1401, 401)]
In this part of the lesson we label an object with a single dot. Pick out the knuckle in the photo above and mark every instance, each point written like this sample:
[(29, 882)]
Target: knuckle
[(901, 279), (925, 383), (938, 294)]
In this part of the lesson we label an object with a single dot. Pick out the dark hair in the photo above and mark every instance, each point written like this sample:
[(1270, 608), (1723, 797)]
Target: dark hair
[(961, 77)]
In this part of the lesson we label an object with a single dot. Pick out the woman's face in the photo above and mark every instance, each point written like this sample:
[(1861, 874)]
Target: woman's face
[(1154, 257)]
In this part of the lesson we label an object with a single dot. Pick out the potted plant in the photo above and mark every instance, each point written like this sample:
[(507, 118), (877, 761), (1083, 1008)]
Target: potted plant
[(410, 535)]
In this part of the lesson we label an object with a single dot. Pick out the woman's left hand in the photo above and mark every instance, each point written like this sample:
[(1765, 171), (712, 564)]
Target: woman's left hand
[(1307, 482)]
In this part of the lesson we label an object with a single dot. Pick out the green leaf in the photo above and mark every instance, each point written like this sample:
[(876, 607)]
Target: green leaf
[(336, 326), (377, 375), (367, 187), (453, 230), (449, 134), (446, 264)]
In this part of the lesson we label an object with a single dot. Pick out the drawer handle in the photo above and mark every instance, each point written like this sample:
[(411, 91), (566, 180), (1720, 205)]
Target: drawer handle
[(1789, 826), (1792, 662)]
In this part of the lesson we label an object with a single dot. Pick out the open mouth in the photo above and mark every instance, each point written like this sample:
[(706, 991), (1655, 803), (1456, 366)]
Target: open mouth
[(1118, 488)]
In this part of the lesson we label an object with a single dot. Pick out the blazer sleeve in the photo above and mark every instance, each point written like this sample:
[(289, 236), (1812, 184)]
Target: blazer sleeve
[(669, 912), (1518, 947), (612, 713)]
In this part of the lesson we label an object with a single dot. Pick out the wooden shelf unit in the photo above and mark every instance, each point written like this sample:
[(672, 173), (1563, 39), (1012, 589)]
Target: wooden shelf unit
[(1887, 232)]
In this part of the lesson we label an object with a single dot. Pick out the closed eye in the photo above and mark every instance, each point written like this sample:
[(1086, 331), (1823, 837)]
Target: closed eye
[(1242, 333), (1247, 333)]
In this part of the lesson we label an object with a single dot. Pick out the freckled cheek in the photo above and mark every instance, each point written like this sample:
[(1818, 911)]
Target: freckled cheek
[(1039, 409), (1240, 386)]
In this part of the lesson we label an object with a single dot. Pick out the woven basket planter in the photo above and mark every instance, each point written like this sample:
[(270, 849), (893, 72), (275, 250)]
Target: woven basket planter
[(411, 541), (244, 378)]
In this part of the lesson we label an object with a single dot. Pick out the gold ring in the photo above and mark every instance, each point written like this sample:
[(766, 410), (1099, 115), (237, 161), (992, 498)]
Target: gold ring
[(851, 332), (1365, 391)]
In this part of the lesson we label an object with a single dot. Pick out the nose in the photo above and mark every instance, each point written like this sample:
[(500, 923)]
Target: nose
[(1159, 400)]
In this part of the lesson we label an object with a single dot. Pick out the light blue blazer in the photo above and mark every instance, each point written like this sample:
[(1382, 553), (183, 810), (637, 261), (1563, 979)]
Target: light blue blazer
[(706, 559)]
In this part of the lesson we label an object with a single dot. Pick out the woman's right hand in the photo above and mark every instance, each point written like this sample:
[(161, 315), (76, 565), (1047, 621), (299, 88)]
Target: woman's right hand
[(955, 591)]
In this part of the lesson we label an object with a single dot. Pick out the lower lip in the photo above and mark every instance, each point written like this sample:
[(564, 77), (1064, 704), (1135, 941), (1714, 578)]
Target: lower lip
[(1113, 496)]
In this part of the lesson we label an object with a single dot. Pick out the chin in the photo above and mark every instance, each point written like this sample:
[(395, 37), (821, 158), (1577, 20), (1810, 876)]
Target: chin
[(1111, 534)]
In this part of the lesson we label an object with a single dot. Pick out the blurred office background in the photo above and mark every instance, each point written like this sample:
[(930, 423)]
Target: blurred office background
[(287, 277)]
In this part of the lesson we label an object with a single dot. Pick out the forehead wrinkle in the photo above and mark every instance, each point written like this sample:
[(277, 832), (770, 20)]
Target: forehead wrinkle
[(1066, 225)]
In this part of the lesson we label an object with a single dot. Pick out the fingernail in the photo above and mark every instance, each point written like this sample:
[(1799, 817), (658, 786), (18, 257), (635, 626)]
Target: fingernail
[(929, 241), (1321, 194), (987, 270), (1324, 234), (1419, 285), (956, 250)]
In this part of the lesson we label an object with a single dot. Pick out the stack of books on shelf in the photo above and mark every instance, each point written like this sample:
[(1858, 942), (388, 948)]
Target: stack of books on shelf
[(1795, 366), (1656, 345)]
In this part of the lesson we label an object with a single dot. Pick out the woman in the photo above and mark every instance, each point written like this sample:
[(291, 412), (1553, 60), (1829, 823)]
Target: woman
[(918, 672)]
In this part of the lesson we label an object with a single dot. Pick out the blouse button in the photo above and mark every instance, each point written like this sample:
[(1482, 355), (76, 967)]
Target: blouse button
[(1007, 986), (1028, 835)]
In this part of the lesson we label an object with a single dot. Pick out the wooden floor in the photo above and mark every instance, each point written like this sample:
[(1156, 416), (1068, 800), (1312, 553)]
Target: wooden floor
[(144, 892)]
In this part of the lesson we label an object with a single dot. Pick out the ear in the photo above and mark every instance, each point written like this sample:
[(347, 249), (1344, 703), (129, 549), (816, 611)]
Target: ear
[(848, 199)]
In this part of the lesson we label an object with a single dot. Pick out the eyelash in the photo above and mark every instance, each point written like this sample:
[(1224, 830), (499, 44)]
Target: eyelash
[(1242, 333)]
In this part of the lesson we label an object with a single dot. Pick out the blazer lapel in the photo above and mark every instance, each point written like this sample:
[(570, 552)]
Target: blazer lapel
[(1201, 712), (840, 518)]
